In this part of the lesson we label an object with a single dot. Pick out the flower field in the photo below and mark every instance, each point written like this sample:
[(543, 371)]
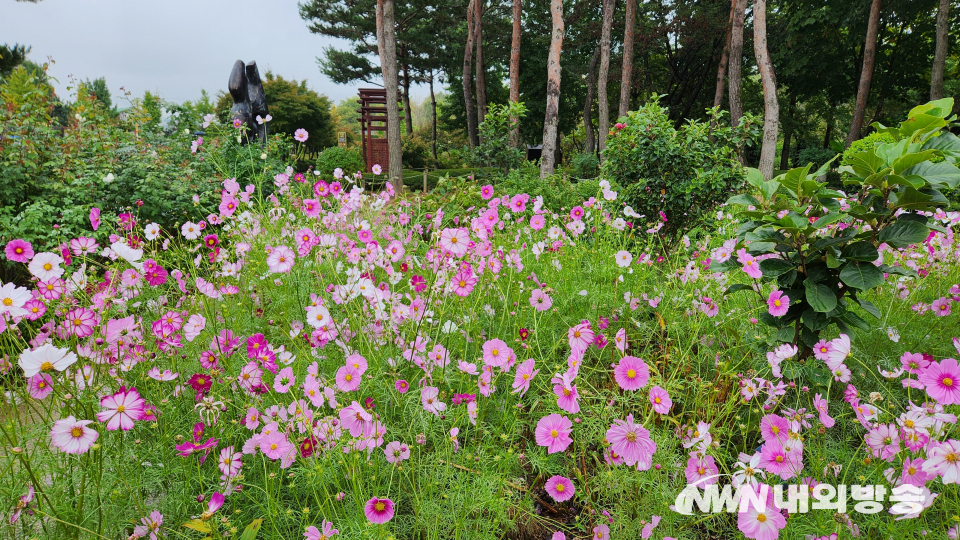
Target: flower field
[(315, 360)]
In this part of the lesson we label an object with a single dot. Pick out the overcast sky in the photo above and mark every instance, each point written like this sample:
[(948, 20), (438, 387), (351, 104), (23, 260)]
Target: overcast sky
[(171, 47)]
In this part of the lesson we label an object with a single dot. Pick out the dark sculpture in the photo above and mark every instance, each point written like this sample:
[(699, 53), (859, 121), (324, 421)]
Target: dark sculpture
[(249, 100)]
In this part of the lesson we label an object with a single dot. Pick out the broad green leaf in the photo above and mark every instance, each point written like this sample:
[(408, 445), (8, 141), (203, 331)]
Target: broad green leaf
[(903, 233), (737, 287), (754, 177), (825, 168), (911, 199), (832, 261), (937, 174), (744, 199), (911, 180), (856, 320), (910, 160), (765, 234), (823, 221), (820, 297), (769, 189), (831, 241), (870, 308), (251, 531), (198, 525), (792, 178), (775, 267), (947, 143), (860, 251), (919, 124), (861, 275)]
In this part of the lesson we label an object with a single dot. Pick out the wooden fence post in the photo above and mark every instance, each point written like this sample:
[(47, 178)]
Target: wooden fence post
[(424, 180)]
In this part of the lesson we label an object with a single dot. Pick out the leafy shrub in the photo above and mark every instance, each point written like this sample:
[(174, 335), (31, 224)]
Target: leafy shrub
[(815, 155), (822, 250), (586, 166), (416, 152), (346, 159), (677, 171), (495, 148)]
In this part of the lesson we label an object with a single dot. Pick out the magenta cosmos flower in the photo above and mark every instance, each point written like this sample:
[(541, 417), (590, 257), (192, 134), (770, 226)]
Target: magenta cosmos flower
[(553, 431), (378, 510), (631, 373), (486, 192), (942, 381), (660, 400), (73, 436), (560, 488), (778, 304), (19, 251)]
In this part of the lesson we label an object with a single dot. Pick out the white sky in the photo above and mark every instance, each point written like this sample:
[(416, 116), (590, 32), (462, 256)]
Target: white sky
[(170, 47)]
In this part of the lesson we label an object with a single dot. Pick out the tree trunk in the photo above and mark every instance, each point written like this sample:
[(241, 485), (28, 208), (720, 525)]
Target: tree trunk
[(627, 75), (940, 56), (433, 105), (828, 132), (590, 145), (787, 135), (866, 73), (407, 110), (387, 45), (604, 77), (515, 68), (724, 58), (480, 80), (469, 110), (551, 117), (771, 108), (736, 60)]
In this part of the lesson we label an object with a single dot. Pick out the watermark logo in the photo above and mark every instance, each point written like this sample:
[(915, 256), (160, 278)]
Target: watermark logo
[(714, 498)]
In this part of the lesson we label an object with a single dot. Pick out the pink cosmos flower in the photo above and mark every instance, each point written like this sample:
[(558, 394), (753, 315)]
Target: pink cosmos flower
[(73, 436), (631, 373), (348, 379), (778, 304), (774, 428), (355, 418), (284, 380), (763, 523), (914, 474), (456, 242), (281, 259), (378, 511), (216, 501), (944, 461), (701, 471), (775, 459), (19, 251), (396, 451), (822, 407), (553, 431), (580, 337), (525, 374), (463, 284), (540, 300), (325, 534), (601, 532), (40, 385), (576, 213), (660, 400), (883, 441), (631, 442), (149, 526), (486, 192), (80, 322), (250, 376), (942, 381), (300, 135), (566, 392), (914, 363), (95, 218), (560, 488), (649, 527), (122, 409), (537, 222), (751, 267), (496, 353), (839, 351), (941, 307), (620, 340), (431, 402), (402, 386), (229, 462), (275, 445)]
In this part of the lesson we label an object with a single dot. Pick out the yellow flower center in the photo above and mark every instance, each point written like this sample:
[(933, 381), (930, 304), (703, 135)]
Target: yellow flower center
[(348, 377), (560, 488), (76, 432), (380, 507), (7, 302), (121, 408), (656, 400), (776, 303), (47, 266), (761, 518), (632, 437), (554, 433), (631, 373), (947, 381), (46, 366)]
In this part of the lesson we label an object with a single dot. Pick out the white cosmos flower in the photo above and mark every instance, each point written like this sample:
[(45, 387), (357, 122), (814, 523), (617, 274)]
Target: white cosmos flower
[(45, 358), (46, 266), (12, 299), (152, 231)]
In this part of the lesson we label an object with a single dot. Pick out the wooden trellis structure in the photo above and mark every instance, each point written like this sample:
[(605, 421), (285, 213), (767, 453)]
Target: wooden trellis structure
[(373, 127)]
